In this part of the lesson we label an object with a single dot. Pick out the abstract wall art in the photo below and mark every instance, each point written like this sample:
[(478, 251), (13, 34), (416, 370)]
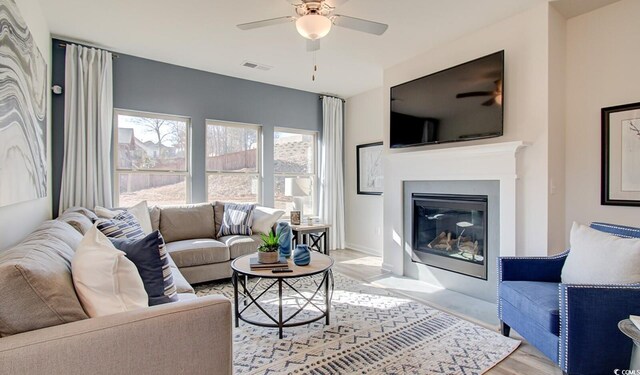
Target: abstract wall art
[(369, 168), (23, 108), (621, 155)]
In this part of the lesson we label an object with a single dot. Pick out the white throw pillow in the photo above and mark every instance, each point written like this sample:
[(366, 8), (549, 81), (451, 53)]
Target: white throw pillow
[(141, 213), (105, 280), (264, 218), (601, 258), (105, 213)]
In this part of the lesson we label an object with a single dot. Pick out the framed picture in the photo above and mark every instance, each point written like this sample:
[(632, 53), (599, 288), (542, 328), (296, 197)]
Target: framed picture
[(621, 155), (295, 217), (369, 168)]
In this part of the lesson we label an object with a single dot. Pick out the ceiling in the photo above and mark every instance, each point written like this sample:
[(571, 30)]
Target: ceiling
[(202, 35)]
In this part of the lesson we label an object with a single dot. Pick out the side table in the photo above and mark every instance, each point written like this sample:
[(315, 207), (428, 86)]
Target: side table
[(314, 235), (630, 330)]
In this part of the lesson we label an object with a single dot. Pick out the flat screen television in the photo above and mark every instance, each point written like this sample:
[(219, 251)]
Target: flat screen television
[(461, 103)]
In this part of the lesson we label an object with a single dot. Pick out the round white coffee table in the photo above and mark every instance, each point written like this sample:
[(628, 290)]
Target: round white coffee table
[(252, 295)]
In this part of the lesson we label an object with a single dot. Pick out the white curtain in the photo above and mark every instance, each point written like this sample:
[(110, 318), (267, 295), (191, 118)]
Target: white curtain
[(331, 171), (88, 125)]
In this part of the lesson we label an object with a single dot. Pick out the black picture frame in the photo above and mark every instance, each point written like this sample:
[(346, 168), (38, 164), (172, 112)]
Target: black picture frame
[(365, 189), (615, 121)]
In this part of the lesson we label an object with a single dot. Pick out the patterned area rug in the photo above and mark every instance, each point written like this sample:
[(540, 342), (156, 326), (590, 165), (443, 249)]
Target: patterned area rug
[(372, 331)]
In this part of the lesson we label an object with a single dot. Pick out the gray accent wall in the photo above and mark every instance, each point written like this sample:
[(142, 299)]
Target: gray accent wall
[(146, 85)]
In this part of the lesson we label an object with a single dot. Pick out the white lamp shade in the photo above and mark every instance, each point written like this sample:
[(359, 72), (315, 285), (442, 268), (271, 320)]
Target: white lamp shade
[(313, 26), (297, 187)]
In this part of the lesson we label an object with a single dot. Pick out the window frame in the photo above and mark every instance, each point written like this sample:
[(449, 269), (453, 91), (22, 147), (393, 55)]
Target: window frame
[(160, 172), (314, 175), (259, 143)]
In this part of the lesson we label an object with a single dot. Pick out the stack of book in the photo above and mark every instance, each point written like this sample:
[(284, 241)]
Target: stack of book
[(255, 265)]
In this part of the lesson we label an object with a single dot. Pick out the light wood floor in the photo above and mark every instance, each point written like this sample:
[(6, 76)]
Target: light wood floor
[(525, 360)]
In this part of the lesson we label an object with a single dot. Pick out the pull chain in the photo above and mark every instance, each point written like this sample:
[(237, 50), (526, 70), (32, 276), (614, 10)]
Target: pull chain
[(315, 67)]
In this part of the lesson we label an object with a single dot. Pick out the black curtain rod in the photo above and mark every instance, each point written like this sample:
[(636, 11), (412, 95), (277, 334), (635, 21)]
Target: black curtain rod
[(331, 96), (113, 55)]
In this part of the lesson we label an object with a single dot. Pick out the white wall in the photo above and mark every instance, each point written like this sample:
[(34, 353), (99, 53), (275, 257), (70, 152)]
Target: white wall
[(557, 105), (602, 71), (363, 213), (525, 39), (16, 221)]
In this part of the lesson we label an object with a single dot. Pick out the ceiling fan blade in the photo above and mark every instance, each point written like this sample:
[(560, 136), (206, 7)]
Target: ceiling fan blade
[(359, 24), (264, 23), (474, 93), (313, 45), (335, 3), (331, 3), (489, 102)]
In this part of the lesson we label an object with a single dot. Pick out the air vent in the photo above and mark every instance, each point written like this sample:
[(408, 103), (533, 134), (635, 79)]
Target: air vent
[(254, 65)]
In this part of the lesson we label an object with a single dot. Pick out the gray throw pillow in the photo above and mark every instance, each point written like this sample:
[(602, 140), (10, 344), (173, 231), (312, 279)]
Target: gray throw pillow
[(237, 219)]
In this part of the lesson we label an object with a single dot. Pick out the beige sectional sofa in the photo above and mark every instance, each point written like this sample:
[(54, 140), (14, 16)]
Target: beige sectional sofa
[(190, 232), (44, 330)]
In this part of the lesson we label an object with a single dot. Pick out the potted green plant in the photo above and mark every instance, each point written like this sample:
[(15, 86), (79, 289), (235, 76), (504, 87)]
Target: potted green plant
[(268, 250)]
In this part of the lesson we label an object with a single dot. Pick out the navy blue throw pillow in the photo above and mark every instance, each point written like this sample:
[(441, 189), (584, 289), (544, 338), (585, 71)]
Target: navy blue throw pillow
[(152, 262)]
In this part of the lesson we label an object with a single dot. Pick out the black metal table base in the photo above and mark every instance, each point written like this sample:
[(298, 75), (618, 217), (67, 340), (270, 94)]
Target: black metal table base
[(325, 286)]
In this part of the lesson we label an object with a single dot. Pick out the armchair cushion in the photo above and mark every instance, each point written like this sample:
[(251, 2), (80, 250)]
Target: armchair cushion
[(538, 302), (601, 258)]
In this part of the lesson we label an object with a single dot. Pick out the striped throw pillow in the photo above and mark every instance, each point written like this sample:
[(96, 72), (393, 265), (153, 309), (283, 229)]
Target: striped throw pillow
[(123, 225), (237, 219)]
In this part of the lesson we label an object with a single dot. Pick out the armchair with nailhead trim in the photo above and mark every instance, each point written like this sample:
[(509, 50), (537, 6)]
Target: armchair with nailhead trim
[(575, 325)]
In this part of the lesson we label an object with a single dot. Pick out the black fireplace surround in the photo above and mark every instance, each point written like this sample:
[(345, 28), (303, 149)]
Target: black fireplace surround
[(450, 232)]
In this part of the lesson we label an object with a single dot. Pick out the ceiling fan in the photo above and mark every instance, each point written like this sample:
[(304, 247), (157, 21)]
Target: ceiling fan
[(314, 19), (496, 94)]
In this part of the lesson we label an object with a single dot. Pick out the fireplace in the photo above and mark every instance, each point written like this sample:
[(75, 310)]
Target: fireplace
[(450, 232)]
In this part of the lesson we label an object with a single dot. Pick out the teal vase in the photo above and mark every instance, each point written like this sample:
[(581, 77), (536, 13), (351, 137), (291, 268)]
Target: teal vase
[(284, 230), (302, 255)]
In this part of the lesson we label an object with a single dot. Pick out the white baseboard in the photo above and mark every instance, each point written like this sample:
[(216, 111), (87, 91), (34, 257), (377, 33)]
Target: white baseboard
[(387, 267), (363, 249)]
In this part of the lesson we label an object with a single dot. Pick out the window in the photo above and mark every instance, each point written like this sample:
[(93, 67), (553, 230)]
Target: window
[(152, 158), (295, 167), (233, 162)]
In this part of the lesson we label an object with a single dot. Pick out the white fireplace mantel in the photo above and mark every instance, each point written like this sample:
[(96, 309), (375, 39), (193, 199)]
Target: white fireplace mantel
[(496, 161)]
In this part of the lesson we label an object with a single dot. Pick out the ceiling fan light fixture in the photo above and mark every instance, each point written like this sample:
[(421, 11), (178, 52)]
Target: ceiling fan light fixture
[(313, 26)]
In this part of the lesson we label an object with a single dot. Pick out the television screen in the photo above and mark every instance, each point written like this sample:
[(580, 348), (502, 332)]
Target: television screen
[(457, 104)]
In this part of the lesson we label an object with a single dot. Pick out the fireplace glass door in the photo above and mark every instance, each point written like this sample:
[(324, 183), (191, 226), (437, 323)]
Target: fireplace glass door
[(450, 232)]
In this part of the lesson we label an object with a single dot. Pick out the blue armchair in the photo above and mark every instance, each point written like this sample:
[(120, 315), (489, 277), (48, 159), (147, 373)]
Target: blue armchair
[(575, 325)]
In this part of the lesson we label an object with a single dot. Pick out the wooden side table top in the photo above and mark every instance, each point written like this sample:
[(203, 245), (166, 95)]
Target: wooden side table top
[(307, 227)]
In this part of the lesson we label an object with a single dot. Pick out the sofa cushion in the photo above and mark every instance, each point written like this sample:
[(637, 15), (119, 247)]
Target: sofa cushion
[(601, 258), (84, 211), (154, 216), (198, 251), (106, 281), (538, 301), (218, 209), (151, 259), (182, 285), (241, 245), (237, 219), (78, 221), (36, 288), (187, 222)]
